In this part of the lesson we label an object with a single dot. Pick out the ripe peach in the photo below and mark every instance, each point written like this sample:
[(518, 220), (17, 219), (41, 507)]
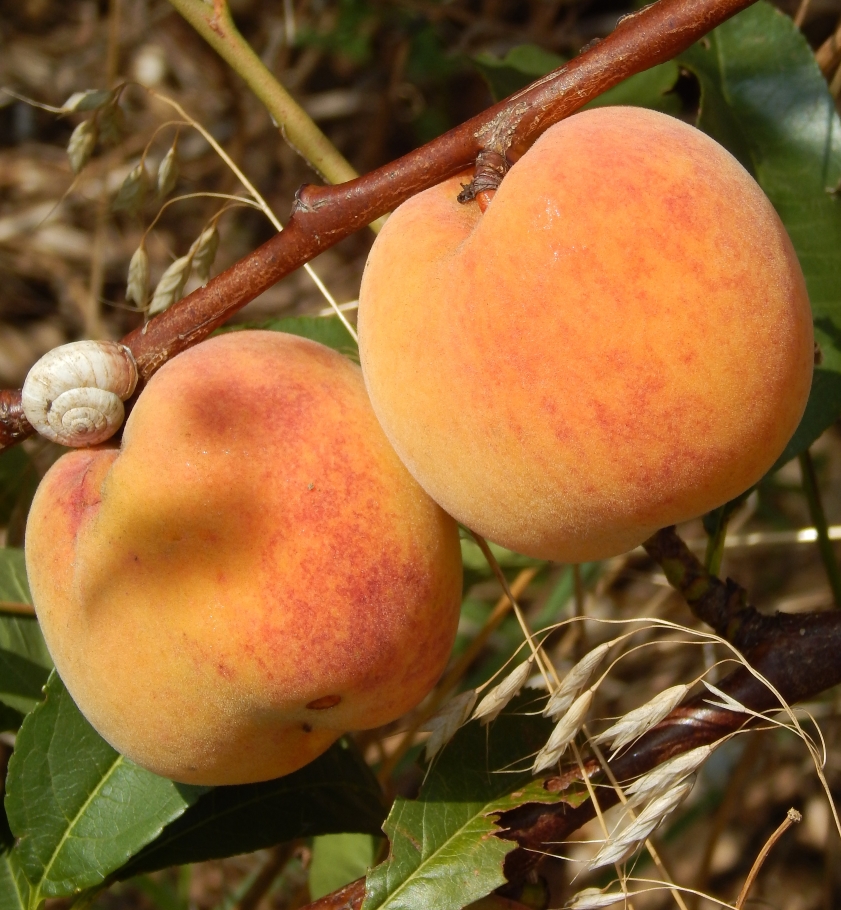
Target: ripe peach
[(622, 341), (251, 574)]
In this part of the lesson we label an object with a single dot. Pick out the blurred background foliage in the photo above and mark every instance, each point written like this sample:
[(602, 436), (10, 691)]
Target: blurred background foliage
[(380, 78)]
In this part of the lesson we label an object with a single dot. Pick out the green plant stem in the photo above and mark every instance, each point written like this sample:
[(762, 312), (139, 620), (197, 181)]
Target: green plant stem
[(813, 497), (715, 544), (215, 24)]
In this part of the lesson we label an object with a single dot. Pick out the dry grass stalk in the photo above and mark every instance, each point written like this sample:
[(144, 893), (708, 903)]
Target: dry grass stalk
[(792, 816)]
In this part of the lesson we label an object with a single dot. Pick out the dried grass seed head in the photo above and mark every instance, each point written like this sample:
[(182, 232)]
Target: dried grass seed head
[(592, 898), (574, 681), (620, 845), (638, 721), (564, 733), (665, 776), (498, 697), (444, 724)]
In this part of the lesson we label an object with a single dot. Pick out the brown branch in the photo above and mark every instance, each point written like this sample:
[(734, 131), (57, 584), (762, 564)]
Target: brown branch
[(797, 654), (14, 427), (322, 216), (723, 605)]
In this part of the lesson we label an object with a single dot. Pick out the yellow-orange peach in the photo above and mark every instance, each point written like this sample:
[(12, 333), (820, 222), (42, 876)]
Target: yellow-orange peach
[(622, 341), (251, 574)]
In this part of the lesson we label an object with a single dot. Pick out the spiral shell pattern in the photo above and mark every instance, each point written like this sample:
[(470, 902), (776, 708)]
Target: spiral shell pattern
[(74, 394)]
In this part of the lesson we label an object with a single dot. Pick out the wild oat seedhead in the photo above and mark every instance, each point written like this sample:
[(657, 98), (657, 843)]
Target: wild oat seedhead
[(171, 286), (564, 733), (617, 847), (444, 724), (168, 171), (665, 776), (574, 681), (137, 289), (491, 705), (636, 722), (204, 251), (592, 898), (82, 143)]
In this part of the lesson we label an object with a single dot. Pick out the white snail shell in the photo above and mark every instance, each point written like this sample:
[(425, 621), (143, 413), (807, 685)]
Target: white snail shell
[(74, 394)]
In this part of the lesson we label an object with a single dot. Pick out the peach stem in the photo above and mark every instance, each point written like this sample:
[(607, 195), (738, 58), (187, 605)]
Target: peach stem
[(484, 199)]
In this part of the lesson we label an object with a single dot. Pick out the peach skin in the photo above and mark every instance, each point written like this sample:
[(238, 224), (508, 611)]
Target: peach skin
[(251, 574), (622, 341)]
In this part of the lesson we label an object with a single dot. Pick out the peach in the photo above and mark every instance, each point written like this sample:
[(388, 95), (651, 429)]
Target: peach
[(251, 574), (620, 342)]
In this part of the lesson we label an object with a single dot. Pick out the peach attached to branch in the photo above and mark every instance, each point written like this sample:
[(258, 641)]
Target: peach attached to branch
[(622, 341), (251, 574)]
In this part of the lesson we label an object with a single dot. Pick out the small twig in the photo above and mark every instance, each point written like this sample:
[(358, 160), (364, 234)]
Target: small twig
[(816, 511), (325, 215), (541, 660), (731, 801), (215, 24), (802, 11), (791, 817), (828, 54), (16, 609), (273, 866)]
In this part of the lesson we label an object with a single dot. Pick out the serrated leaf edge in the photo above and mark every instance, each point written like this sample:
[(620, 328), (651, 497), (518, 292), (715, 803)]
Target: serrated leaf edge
[(36, 894), (11, 864), (484, 812)]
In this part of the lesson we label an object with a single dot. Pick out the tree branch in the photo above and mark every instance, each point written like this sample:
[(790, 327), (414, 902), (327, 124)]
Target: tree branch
[(216, 25), (797, 654), (322, 216)]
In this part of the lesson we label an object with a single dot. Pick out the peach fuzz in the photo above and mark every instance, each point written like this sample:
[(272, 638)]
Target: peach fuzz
[(251, 574), (622, 341)]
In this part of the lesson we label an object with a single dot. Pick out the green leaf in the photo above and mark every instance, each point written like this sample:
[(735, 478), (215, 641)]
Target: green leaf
[(520, 66), (337, 792), (22, 636), (19, 634), (473, 558), (77, 807), (14, 587), (21, 682), (764, 98), (338, 859), (326, 330), (527, 62), (443, 852), (18, 481), (648, 89), (14, 888)]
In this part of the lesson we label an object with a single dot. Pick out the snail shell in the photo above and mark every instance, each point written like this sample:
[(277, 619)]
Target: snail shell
[(74, 394)]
